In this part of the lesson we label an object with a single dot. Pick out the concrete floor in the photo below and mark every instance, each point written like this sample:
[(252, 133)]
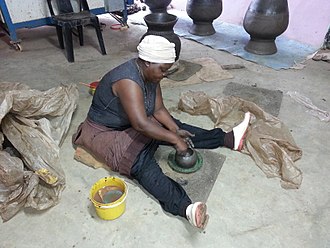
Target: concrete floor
[(246, 208)]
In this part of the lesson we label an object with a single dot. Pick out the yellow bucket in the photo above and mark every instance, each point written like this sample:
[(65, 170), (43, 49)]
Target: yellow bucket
[(114, 209)]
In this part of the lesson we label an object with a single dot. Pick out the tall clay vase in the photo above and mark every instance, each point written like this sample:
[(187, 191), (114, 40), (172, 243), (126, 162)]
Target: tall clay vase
[(162, 24), (156, 6), (264, 21), (203, 13)]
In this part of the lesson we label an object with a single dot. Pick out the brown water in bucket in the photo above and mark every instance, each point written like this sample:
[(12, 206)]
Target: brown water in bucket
[(108, 194)]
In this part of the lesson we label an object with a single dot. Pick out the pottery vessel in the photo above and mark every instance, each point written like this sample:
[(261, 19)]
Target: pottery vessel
[(156, 6), (203, 13), (264, 21), (162, 24), (187, 160)]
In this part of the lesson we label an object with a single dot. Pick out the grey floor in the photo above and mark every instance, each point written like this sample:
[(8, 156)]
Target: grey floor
[(246, 208)]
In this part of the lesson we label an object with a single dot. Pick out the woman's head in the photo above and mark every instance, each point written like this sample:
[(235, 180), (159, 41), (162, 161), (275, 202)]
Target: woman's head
[(157, 55)]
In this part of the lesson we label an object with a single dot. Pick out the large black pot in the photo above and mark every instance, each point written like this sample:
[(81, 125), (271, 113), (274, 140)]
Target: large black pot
[(264, 21), (162, 24), (203, 13), (157, 5)]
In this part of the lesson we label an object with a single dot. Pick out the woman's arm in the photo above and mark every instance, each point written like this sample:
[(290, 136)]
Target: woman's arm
[(162, 114), (131, 97)]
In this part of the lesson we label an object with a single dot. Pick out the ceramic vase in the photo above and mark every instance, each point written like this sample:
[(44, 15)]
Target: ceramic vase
[(264, 21), (156, 6), (203, 13), (162, 24)]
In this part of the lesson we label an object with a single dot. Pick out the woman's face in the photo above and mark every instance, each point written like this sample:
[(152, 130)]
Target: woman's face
[(156, 72)]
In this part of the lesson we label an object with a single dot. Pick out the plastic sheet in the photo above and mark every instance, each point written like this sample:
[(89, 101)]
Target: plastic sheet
[(35, 123), (268, 141)]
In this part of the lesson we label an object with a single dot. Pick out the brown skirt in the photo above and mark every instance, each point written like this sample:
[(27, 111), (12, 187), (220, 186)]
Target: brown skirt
[(118, 149)]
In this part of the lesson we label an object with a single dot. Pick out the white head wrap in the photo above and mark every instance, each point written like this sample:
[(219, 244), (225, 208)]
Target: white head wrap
[(156, 49)]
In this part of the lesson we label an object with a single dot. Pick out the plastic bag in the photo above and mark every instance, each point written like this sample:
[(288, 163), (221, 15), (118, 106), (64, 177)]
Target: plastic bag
[(36, 124), (268, 141)]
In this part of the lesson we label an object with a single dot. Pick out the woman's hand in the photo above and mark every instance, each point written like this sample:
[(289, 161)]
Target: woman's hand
[(185, 135), (181, 146)]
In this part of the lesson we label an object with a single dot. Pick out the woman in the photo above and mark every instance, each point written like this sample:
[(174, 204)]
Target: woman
[(127, 121)]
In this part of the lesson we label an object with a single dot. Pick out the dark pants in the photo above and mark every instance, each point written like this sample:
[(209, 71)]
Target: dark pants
[(171, 196)]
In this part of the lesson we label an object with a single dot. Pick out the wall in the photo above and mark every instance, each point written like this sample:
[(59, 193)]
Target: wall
[(309, 19), (28, 10)]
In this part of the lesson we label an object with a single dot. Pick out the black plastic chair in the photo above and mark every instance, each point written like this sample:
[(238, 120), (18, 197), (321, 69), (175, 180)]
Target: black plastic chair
[(66, 20)]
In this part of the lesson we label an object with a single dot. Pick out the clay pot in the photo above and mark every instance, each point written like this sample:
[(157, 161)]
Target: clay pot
[(203, 13), (264, 21), (187, 160), (156, 6), (162, 24)]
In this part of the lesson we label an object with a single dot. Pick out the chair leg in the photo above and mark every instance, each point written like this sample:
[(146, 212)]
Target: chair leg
[(81, 35), (99, 35), (60, 36), (68, 43)]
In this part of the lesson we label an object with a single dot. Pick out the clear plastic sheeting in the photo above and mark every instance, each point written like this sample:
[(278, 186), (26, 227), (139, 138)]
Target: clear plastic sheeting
[(268, 140), (35, 123), (312, 109)]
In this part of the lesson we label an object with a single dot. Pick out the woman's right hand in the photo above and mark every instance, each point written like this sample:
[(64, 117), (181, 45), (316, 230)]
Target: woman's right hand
[(181, 146)]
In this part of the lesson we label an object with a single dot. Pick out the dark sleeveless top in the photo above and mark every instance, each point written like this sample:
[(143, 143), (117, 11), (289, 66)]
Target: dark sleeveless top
[(106, 108)]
